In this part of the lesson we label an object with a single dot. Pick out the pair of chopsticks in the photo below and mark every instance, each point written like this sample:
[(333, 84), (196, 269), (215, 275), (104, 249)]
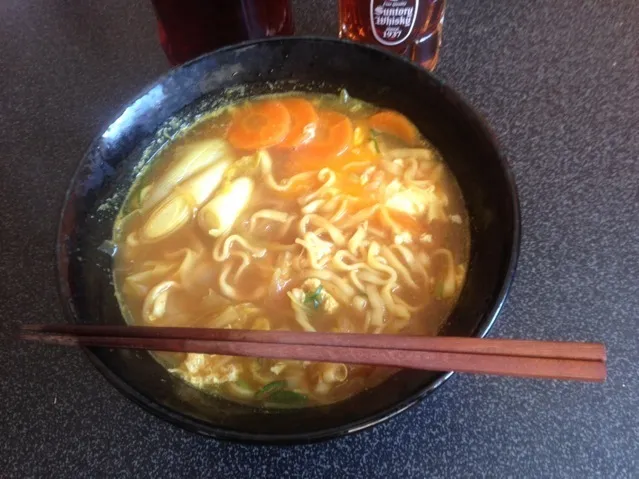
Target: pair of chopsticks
[(505, 357)]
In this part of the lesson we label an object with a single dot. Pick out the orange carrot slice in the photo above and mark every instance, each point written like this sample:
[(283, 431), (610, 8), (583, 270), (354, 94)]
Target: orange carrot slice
[(262, 124), (394, 124), (333, 136), (303, 122)]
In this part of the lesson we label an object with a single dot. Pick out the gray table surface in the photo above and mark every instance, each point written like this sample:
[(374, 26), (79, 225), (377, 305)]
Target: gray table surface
[(558, 81)]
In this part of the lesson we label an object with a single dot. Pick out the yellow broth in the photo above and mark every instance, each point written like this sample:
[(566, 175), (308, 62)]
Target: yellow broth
[(292, 212)]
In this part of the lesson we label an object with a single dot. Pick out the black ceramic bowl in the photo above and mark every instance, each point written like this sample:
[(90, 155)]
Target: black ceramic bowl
[(302, 64)]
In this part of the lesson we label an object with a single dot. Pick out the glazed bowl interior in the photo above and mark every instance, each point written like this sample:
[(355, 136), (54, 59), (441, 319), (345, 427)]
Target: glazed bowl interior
[(295, 64)]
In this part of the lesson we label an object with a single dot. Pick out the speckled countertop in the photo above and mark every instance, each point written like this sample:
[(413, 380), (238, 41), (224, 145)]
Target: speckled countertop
[(558, 81)]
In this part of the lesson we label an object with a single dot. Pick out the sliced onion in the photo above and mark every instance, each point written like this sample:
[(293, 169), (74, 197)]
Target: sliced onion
[(196, 158), (219, 214), (169, 217)]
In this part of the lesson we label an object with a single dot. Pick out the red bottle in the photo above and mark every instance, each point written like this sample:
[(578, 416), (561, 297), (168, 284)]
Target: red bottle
[(189, 28), (412, 28)]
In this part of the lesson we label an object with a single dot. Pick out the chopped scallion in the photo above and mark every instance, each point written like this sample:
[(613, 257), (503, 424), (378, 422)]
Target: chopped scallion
[(270, 388), (314, 298), (373, 134), (286, 397)]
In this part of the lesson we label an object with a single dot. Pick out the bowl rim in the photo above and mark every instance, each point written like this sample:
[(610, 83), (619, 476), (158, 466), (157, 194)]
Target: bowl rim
[(194, 425)]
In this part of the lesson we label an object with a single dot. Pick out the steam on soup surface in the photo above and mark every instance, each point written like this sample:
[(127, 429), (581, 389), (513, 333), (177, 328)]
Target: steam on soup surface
[(292, 212)]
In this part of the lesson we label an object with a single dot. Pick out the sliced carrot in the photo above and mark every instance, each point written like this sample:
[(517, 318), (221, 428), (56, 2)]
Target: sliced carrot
[(394, 124), (333, 136), (262, 124), (303, 122)]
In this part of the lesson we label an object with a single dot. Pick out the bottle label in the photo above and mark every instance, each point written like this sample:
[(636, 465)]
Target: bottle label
[(392, 21)]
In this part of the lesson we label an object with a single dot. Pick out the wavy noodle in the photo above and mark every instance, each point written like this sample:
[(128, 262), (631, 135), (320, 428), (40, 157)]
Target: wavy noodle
[(273, 215), (285, 219), (396, 326), (346, 290), (416, 265), (343, 209), (360, 303), (385, 218), (377, 305), (328, 177), (372, 278), (222, 248), (374, 262), (230, 291), (449, 281), (313, 206), (331, 204), (266, 165), (392, 304), (360, 273), (358, 238), (406, 253), (400, 269), (327, 206), (356, 281), (359, 217), (337, 261), (409, 307), (335, 234), (222, 253), (377, 232), (245, 262), (318, 250), (272, 246)]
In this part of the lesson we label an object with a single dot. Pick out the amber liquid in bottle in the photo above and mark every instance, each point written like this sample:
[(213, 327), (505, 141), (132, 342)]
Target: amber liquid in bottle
[(412, 28), (189, 28)]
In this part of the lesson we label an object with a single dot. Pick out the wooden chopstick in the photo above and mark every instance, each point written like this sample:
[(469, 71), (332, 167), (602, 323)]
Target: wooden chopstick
[(270, 344), (503, 347)]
